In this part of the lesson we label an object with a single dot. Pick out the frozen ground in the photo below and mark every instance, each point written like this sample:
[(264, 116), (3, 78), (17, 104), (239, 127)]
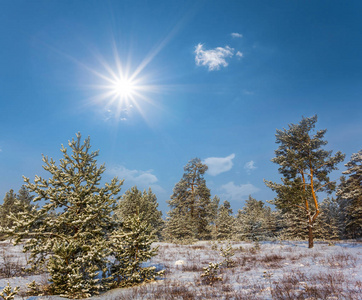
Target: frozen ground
[(270, 270)]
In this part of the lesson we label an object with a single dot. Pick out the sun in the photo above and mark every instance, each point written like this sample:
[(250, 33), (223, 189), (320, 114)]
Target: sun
[(124, 88)]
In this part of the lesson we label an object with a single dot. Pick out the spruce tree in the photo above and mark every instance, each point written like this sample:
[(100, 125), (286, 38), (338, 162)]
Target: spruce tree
[(327, 227), (255, 221), (214, 208), (131, 248), (14, 204), (145, 204), (224, 225), (292, 224), (190, 205), (305, 166), (350, 196), (71, 236)]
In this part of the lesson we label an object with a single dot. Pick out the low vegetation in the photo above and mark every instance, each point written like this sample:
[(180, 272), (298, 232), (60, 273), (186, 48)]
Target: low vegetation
[(268, 270)]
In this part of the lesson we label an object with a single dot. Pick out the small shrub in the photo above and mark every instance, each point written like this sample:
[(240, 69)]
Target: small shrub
[(8, 292), (210, 275), (228, 253)]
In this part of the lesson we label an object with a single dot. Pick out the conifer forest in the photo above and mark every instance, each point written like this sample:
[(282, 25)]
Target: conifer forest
[(72, 236)]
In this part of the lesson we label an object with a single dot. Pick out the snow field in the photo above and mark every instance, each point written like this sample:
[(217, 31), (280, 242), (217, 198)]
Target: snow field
[(267, 270)]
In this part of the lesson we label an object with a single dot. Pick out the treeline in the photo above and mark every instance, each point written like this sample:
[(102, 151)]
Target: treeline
[(90, 238)]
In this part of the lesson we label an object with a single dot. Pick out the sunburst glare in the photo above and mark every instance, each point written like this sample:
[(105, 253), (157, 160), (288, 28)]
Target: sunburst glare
[(122, 90)]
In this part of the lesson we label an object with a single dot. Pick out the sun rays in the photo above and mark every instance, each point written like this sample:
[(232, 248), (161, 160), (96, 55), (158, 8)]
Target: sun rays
[(120, 90)]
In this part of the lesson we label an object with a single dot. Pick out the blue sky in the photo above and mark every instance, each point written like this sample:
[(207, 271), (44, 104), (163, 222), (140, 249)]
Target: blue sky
[(157, 83)]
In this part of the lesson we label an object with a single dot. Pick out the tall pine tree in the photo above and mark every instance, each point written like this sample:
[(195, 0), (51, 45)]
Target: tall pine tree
[(305, 166), (191, 207)]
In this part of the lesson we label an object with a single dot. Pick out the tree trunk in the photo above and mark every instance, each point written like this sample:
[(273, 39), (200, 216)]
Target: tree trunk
[(310, 234)]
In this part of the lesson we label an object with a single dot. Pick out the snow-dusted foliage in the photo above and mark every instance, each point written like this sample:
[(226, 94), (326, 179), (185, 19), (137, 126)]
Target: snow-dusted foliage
[(69, 233), (350, 196), (75, 236), (305, 166), (145, 204), (14, 204), (224, 223), (328, 225), (8, 293), (190, 205), (131, 247), (255, 221)]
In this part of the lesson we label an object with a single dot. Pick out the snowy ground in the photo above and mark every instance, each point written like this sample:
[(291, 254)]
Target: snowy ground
[(278, 270)]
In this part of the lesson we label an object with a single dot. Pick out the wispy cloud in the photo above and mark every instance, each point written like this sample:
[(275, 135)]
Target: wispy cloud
[(239, 54), (134, 177), (249, 166), (238, 192), (213, 58), (236, 35), (219, 165)]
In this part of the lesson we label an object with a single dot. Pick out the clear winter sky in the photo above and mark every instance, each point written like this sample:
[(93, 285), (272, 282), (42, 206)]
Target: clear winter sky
[(157, 83)]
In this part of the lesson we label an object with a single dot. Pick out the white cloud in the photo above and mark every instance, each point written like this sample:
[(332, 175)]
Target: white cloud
[(249, 166), (236, 35), (219, 165), (239, 54), (134, 177), (213, 58), (238, 192)]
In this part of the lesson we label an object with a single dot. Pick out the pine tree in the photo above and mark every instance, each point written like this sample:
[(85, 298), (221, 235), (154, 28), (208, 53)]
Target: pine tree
[(224, 228), (14, 204), (133, 201), (350, 196), (327, 227), (255, 221), (214, 208), (73, 243), (131, 249), (6, 208), (292, 224), (190, 205), (304, 165)]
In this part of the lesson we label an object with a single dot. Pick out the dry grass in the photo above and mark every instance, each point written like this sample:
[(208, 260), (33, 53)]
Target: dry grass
[(261, 271), (281, 272)]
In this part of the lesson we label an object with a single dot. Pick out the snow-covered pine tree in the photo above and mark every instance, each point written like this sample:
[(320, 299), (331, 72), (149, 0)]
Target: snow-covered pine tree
[(15, 204), (350, 196), (305, 166), (131, 248), (133, 201), (255, 221), (190, 205), (73, 242), (224, 225), (327, 227), (292, 225)]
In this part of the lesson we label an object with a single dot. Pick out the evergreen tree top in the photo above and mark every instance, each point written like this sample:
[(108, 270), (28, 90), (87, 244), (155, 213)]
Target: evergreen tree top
[(300, 152)]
